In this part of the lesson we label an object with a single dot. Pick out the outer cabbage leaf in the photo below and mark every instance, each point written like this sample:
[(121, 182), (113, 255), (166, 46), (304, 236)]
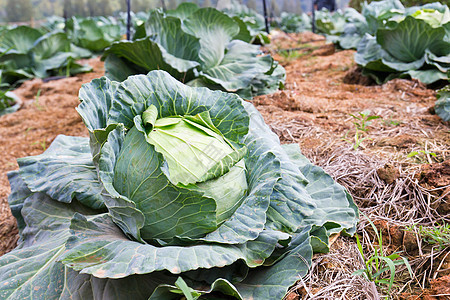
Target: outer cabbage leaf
[(144, 55), (96, 100), (98, 247), (19, 40), (370, 55), (33, 270), (377, 13), (183, 11), (335, 209), (64, 171), (304, 189), (19, 192), (166, 31), (442, 106), (426, 76), (408, 41), (273, 282), (354, 29), (215, 30), (241, 63)]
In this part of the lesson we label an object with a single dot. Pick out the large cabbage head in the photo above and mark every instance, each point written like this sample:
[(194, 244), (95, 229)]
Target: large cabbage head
[(175, 186), (189, 158)]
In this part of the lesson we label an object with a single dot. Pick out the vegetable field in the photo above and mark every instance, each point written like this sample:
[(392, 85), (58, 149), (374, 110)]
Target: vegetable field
[(245, 166)]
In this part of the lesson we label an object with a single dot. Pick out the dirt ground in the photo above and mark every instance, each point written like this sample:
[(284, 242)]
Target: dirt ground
[(323, 88)]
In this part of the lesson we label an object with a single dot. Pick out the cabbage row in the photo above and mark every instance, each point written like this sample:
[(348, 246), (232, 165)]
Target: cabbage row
[(27, 53), (201, 47), (178, 190), (48, 51), (391, 41)]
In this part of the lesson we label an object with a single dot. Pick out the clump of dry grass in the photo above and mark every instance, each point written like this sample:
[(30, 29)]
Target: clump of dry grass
[(331, 275), (403, 202)]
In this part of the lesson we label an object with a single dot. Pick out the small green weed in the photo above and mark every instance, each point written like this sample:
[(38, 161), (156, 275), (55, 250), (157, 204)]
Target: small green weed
[(434, 235), (379, 263), (391, 122), (36, 101), (422, 156), (290, 55), (42, 143), (358, 138), (28, 130), (361, 121)]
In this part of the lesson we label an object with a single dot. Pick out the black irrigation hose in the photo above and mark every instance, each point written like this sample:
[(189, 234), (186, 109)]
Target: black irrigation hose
[(128, 19), (293, 49), (266, 20)]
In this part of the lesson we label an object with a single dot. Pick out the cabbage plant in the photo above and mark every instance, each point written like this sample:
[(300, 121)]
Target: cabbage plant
[(290, 22), (178, 190), (251, 24), (27, 53), (415, 45), (199, 47), (94, 34)]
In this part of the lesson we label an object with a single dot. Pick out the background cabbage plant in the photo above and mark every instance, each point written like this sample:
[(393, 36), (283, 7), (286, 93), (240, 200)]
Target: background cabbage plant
[(116, 216), (94, 34), (26, 53), (415, 44), (199, 47), (289, 22), (251, 24)]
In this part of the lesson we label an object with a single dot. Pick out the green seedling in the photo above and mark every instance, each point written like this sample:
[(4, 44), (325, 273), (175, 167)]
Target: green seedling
[(358, 138), (378, 263), (36, 100), (422, 155), (391, 122), (42, 143), (28, 130), (363, 120)]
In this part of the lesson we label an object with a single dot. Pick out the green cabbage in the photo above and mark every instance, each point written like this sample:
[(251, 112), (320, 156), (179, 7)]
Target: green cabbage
[(177, 190), (201, 47)]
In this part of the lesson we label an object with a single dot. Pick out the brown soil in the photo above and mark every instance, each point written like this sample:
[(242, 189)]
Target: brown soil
[(30, 130), (323, 87), (437, 178)]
